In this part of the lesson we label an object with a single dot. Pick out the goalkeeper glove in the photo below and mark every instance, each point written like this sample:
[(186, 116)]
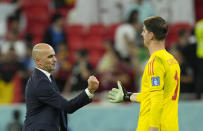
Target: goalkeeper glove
[(119, 95)]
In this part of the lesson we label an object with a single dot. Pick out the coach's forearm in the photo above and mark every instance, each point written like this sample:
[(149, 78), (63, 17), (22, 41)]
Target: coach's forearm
[(135, 97)]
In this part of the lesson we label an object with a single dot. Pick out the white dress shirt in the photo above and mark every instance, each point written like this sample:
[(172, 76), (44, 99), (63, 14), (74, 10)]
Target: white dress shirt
[(46, 73)]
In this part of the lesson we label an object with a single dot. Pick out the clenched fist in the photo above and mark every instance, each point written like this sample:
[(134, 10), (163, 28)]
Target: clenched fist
[(93, 84)]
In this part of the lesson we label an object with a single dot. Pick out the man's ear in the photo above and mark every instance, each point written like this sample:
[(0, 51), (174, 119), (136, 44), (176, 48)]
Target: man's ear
[(151, 35), (37, 61)]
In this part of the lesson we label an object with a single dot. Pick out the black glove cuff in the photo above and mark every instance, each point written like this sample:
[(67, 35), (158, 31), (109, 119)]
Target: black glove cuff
[(127, 96)]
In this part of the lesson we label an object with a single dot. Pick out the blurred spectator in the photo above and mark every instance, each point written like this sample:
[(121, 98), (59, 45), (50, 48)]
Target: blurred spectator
[(59, 3), (13, 42), (55, 34), (10, 69), (188, 48), (28, 61), (28, 65), (187, 74), (16, 23), (13, 23), (9, 65), (126, 35), (199, 52), (111, 69), (181, 50), (107, 61), (16, 124), (6, 10), (64, 3), (81, 70), (144, 7), (136, 62), (63, 72), (28, 39)]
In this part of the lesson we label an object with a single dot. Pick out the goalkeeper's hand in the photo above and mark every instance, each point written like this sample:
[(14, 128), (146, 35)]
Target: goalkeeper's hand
[(116, 95), (119, 94)]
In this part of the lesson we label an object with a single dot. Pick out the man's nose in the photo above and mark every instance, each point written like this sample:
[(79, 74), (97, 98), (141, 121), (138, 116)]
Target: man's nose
[(55, 59)]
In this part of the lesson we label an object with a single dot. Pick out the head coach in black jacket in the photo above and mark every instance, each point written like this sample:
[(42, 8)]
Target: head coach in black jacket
[(46, 108)]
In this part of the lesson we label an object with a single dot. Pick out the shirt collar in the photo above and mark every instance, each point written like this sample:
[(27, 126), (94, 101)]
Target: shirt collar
[(157, 52), (45, 72)]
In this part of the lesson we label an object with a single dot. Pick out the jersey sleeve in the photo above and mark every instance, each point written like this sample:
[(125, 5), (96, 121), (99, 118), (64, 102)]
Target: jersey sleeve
[(156, 73), (156, 77), (139, 97)]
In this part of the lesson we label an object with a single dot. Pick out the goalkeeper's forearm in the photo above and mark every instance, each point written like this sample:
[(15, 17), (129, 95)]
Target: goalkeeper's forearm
[(134, 97)]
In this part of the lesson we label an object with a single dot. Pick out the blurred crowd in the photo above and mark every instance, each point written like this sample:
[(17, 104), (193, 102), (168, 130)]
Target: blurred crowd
[(117, 56)]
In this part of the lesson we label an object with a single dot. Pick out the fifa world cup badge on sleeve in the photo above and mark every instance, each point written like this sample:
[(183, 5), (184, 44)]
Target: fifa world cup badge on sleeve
[(155, 81)]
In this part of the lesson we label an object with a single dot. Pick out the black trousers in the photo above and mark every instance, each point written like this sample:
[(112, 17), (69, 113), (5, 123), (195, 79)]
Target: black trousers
[(199, 78)]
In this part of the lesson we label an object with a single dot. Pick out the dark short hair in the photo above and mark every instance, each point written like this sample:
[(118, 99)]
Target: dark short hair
[(83, 52), (157, 26), (133, 17), (56, 17), (182, 32)]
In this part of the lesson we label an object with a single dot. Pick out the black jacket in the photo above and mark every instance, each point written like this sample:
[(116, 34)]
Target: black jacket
[(46, 109)]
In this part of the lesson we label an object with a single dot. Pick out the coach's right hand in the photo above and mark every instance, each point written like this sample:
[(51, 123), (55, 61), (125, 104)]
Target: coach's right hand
[(93, 84)]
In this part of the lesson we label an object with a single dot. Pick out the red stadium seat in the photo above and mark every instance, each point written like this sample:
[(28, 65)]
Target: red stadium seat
[(75, 36), (36, 28), (63, 11), (178, 26), (75, 30), (94, 43), (199, 2), (111, 31), (97, 29), (37, 39), (94, 37), (94, 57), (199, 12), (5, 1), (37, 11), (36, 3), (172, 36), (75, 43), (39, 14)]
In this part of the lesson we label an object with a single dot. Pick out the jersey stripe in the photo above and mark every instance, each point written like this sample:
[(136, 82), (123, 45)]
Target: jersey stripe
[(149, 68), (152, 65)]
